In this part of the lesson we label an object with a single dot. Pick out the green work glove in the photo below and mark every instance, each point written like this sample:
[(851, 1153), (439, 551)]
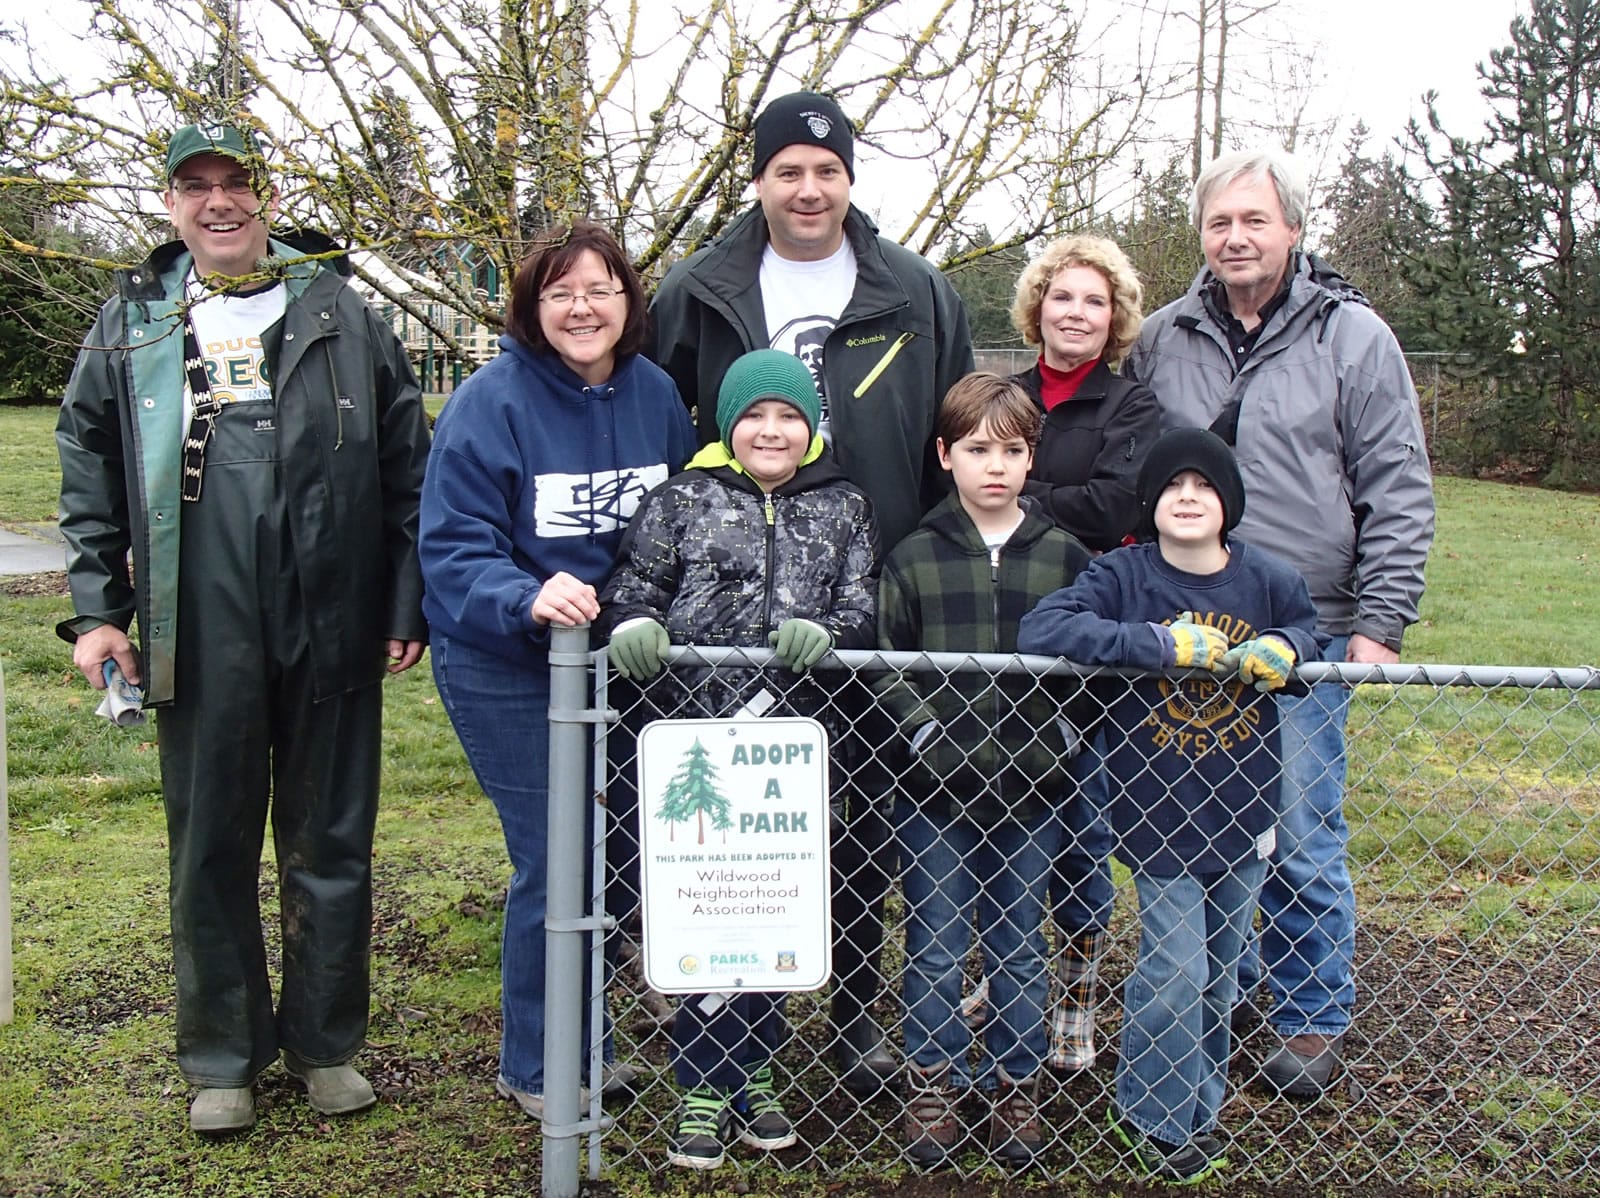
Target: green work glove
[(800, 644), (637, 650), (1264, 662), (1198, 645)]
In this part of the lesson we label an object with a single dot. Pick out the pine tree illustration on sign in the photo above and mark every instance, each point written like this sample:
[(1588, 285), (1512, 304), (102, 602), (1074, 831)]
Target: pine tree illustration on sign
[(693, 792)]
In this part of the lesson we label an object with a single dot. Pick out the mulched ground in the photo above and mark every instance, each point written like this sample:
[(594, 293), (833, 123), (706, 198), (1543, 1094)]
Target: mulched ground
[(32, 586), (1473, 1069)]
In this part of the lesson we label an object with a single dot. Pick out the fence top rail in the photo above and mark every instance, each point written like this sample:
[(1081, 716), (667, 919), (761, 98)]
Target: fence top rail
[(1570, 678)]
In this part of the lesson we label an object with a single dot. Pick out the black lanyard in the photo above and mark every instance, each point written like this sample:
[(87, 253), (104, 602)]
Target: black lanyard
[(203, 414)]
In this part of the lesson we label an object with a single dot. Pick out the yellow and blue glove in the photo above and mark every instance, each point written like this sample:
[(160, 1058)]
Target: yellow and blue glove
[(799, 643), (1197, 645), (1264, 663), (639, 649)]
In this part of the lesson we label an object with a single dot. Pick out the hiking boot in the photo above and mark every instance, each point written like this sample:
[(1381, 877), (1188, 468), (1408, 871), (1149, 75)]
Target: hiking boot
[(1015, 1135), (758, 1115), (1303, 1066), (704, 1118), (331, 1089), (931, 1124), (222, 1110), (1181, 1163), (1072, 1018)]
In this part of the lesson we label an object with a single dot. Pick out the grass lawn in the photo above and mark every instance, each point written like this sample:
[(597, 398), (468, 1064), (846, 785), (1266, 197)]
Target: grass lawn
[(1476, 846)]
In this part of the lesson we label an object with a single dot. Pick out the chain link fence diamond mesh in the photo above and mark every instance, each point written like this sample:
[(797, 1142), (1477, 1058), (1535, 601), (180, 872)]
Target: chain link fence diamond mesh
[(1473, 804)]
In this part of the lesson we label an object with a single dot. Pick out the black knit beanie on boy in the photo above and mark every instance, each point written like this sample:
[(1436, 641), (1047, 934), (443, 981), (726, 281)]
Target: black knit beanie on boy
[(807, 119), (1194, 449)]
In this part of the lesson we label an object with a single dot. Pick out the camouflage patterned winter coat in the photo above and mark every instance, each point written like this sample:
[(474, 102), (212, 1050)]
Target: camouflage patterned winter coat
[(718, 562)]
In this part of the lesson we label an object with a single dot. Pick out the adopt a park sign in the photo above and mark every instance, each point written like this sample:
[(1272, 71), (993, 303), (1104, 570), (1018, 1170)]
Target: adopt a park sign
[(733, 838)]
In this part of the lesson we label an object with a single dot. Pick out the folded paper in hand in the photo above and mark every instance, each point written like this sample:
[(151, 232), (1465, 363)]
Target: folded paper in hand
[(124, 702)]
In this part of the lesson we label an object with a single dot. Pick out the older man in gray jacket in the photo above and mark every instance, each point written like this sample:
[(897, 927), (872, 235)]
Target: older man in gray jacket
[(1274, 351)]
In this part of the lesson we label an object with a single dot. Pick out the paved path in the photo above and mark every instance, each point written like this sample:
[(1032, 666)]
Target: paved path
[(33, 552)]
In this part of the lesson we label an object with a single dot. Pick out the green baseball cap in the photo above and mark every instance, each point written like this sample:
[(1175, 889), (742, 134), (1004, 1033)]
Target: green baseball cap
[(228, 140)]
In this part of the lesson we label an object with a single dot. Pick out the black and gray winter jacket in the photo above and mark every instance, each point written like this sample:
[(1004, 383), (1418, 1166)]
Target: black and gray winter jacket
[(716, 561), (900, 344)]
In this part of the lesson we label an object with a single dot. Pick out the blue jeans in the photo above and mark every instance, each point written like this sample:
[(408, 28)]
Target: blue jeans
[(1081, 893), (1308, 903), (500, 711), (1172, 1068), (951, 868), (723, 1049)]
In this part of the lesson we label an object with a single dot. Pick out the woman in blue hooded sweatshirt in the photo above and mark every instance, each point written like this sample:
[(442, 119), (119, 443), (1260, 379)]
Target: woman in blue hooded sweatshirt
[(538, 461)]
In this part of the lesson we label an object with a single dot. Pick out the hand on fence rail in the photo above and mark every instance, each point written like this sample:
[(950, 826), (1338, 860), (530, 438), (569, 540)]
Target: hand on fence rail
[(1264, 663), (800, 644), (639, 648), (1193, 644)]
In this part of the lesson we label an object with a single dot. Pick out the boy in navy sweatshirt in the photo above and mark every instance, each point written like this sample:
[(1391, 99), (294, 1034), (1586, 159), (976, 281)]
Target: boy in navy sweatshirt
[(1194, 770)]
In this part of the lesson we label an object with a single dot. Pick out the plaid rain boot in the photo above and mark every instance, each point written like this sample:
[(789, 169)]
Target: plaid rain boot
[(1072, 1017)]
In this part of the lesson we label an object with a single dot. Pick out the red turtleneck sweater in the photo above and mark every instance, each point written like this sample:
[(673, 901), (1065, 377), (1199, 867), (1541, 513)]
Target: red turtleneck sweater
[(1058, 386)]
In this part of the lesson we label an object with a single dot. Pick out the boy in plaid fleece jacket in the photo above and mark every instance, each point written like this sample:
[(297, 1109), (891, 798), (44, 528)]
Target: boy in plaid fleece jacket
[(987, 765)]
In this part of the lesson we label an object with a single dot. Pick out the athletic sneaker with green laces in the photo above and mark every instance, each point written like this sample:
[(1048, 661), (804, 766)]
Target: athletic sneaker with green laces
[(759, 1115), (704, 1119), (1184, 1164)]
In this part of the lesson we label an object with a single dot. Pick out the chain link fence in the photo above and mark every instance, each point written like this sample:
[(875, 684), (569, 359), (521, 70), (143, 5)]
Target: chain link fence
[(1473, 799)]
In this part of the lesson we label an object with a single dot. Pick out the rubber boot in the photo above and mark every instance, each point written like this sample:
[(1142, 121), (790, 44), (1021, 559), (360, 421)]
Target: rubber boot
[(1072, 1017)]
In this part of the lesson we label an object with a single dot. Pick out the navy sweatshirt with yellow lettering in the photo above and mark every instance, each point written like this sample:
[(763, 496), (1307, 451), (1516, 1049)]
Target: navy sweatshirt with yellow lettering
[(1193, 761)]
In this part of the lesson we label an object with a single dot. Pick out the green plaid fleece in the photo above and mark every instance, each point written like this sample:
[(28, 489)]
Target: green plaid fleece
[(1000, 748)]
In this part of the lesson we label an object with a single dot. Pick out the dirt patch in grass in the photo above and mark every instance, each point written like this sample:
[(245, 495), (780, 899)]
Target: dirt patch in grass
[(50, 584)]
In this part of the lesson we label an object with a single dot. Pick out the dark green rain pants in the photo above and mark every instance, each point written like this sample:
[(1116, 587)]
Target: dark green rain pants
[(243, 728)]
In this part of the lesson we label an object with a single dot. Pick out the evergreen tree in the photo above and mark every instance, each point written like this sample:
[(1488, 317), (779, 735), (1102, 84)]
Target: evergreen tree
[(1515, 278), (1380, 238), (49, 298), (1159, 239), (987, 284), (693, 792)]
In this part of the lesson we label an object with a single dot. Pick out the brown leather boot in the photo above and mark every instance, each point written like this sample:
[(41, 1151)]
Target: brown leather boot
[(1303, 1066), (932, 1125)]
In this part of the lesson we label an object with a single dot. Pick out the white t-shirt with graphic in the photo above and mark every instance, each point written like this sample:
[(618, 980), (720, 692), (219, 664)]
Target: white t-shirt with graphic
[(228, 329), (803, 302)]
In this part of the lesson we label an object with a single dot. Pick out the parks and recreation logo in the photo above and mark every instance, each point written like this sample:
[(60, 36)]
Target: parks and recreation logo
[(689, 964)]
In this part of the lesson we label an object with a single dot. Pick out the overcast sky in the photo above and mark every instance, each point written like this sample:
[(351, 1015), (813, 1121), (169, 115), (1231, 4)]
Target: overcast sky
[(1375, 59), (1383, 54)]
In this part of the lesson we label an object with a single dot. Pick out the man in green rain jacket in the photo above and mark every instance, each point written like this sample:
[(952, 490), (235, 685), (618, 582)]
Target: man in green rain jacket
[(243, 424)]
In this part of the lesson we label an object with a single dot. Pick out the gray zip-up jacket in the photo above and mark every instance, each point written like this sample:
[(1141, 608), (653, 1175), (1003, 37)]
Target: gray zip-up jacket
[(1329, 443)]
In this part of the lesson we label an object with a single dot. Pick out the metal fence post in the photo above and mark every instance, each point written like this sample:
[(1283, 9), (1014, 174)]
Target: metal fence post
[(1433, 435), (6, 1010), (566, 925)]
